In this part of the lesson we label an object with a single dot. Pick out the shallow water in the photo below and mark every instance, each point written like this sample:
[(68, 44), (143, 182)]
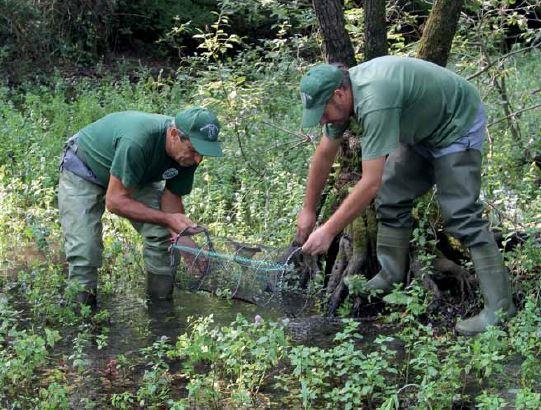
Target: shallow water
[(133, 325)]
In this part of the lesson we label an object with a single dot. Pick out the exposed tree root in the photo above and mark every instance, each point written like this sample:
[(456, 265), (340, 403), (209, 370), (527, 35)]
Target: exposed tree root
[(444, 274), (348, 262), (340, 264), (447, 267), (307, 266)]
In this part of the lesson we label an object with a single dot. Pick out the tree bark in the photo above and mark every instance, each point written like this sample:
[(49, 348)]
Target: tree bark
[(338, 47), (439, 31), (375, 29)]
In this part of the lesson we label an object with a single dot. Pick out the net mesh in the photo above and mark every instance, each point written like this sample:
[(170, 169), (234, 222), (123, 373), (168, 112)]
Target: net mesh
[(254, 273)]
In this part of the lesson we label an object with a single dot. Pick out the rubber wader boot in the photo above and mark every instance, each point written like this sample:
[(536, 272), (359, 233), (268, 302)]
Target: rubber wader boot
[(162, 318), (392, 252), (87, 298), (159, 287), (495, 288)]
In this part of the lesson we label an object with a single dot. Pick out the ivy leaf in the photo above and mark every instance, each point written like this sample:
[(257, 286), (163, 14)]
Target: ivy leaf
[(396, 298)]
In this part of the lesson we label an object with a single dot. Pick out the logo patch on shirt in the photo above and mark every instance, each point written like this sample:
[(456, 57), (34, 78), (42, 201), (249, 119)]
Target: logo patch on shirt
[(212, 131), (170, 173)]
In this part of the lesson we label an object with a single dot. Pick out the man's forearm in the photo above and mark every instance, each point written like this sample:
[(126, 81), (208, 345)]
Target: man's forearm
[(353, 205), (320, 167), (364, 191), (137, 211)]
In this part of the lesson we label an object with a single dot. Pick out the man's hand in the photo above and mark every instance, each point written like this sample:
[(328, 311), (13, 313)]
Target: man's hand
[(306, 221), (318, 242), (180, 223)]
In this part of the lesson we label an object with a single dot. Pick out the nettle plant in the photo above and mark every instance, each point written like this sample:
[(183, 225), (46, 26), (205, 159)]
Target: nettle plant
[(342, 376), (234, 363), (229, 362), (525, 340)]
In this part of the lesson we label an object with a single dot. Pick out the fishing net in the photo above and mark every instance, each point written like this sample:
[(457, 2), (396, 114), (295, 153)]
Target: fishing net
[(255, 273)]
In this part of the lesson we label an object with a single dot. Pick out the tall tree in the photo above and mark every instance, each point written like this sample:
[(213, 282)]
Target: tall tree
[(375, 30), (439, 31), (338, 47)]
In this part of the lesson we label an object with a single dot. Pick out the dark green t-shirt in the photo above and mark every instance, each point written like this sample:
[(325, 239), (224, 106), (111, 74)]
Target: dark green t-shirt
[(407, 100), (130, 145)]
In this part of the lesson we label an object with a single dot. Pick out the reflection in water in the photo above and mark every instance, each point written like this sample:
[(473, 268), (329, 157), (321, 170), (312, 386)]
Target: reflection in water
[(136, 323)]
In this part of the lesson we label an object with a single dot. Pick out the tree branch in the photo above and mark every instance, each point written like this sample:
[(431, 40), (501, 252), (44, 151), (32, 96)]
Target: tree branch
[(502, 58), (514, 114)]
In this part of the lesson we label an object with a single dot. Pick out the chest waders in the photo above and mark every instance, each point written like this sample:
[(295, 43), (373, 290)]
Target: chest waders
[(81, 204), (457, 177)]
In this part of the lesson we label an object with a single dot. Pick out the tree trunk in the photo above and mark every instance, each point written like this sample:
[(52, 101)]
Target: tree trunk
[(375, 29), (439, 31), (356, 251), (352, 254), (338, 48)]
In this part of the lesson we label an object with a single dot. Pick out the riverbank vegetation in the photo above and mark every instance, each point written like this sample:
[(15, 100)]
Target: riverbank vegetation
[(398, 354)]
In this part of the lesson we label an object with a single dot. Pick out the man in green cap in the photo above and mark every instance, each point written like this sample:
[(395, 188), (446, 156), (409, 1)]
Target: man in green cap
[(421, 125), (120, 163)]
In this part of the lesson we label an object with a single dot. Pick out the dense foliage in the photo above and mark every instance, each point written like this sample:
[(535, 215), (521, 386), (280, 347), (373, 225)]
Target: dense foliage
[(84, 31), (253, 194)]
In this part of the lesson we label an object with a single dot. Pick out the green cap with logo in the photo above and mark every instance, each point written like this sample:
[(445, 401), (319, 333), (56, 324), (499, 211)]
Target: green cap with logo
[(202, 128), (317, 88)]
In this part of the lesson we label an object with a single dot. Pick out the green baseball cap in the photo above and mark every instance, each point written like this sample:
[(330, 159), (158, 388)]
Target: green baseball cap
[(202, 128), (317, 88)]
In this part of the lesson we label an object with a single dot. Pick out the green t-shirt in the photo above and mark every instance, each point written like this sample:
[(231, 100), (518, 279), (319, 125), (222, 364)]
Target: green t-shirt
[(130, 145), (407, 100)]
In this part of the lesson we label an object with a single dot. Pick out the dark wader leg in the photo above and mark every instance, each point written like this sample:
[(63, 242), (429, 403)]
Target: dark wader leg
[(458, 180), (81, 205), (407, 176), (160, 273)]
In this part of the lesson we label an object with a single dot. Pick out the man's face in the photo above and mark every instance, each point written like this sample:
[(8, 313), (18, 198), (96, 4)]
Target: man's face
[(338, 109), (181, 149)]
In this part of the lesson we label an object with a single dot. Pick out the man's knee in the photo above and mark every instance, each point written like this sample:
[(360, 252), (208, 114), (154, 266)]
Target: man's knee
[(156, 238), (393, 214), (156, 251), (470, 230)]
